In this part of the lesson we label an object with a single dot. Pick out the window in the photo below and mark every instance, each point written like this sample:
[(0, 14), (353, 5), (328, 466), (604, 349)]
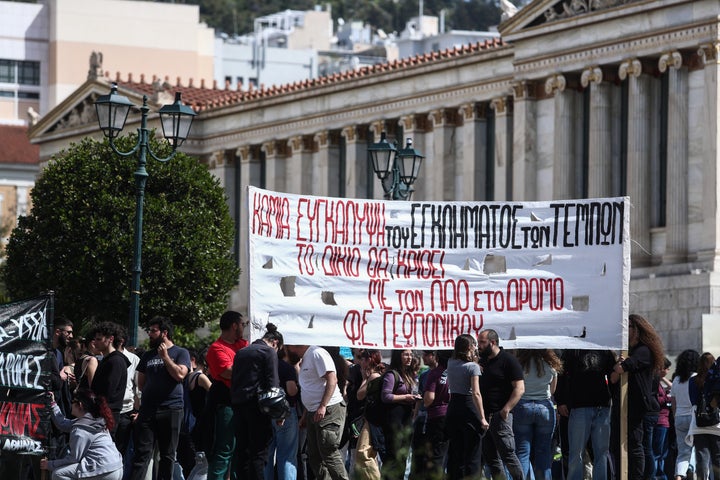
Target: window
[(19, 71)]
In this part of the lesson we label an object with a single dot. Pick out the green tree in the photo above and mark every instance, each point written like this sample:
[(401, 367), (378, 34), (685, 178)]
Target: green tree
[(78, 238)]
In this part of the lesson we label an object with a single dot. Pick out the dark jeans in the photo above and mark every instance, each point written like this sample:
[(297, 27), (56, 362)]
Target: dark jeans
[(163, 427), (707, 451), (649, 422), (123, 432), (498, 448), (253, 433), (430, 445), (635, 448)]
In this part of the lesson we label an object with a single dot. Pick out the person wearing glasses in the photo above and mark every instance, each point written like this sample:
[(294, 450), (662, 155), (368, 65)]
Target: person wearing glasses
[(92, 452), (161, 372)]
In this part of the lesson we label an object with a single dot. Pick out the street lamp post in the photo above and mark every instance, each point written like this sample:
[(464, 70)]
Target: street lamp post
[(112, 111), (396, 169)]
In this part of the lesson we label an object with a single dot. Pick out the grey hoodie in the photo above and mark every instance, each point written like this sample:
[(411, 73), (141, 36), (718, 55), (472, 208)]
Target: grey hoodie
[(91, 446)]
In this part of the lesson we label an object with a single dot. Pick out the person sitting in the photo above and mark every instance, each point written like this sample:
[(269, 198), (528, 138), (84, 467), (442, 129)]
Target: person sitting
[(92, 451)]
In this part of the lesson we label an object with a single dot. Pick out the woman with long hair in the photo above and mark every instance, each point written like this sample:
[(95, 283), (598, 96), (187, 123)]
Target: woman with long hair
[(92, 451), (399, 400), (465, 420), (366, 464), (705, 439), (534, 414), (685, 368), (646, 356)]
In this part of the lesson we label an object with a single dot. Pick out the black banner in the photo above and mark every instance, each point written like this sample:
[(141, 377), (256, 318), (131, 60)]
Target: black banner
[(25, 365)]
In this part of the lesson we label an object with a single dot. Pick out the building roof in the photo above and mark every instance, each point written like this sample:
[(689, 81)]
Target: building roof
[(16, 146), (202, 98)]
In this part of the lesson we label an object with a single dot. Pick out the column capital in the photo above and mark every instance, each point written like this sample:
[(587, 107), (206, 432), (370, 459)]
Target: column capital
[(443, 117), (301, 143), (414, 122), (243, 153), (591, 75), (355, 133), (555, 83), (708, 53), (473, 111), (501, 105), (274, 147), (630, 67), (523, 90), (672, 59)]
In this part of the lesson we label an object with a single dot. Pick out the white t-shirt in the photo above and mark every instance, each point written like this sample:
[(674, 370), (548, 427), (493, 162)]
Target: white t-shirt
[(681, 397), (315, 363), (131, 385)]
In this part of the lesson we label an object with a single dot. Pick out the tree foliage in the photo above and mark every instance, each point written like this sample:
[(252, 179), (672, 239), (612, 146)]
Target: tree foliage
[(236, 16), (78, 239)]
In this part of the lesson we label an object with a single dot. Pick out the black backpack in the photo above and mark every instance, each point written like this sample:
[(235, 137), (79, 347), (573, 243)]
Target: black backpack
[(375, 409)]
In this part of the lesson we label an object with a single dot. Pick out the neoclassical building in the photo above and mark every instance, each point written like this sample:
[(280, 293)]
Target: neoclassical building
[(579, 98)]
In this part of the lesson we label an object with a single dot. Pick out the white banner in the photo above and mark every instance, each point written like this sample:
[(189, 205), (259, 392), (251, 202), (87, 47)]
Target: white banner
[(383, 274)]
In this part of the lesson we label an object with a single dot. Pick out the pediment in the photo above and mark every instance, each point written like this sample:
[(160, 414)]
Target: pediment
[(554, 14), (77, 112)]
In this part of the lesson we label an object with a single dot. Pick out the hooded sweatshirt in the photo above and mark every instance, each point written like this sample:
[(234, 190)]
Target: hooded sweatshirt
[(91, 446)]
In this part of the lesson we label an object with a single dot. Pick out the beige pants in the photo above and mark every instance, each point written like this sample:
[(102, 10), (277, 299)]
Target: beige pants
[(366, 464)]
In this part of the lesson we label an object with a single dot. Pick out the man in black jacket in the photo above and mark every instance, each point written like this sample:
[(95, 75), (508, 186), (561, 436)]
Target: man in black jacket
[(110, 378), (255, 370)]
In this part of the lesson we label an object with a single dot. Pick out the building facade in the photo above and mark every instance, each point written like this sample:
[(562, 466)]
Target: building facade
[(575, 100)]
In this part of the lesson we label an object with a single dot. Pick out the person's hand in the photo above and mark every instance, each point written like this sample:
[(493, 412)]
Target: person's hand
[(320, 414), (484, 424), (163, 352), (563, 410), (44, 464), (280, 422), (504, 413), (407, 398)]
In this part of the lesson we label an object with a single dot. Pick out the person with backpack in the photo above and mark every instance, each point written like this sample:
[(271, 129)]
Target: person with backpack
[(398, 399), (704, 390)]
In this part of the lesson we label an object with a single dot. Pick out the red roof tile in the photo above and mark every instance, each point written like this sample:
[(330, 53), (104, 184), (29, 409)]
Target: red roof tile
[(208, 98), (16, 147)]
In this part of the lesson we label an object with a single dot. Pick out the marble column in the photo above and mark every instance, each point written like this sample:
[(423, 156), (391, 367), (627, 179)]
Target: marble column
[(638, 159), (524, 154), (470, 170), (444, 122), (244, 156), (299, 165), (275, 153), (428, 185), (709, 247), (600, 169), (502, 186), (564, 162), (357, 170), (321, 165), (676, 225)]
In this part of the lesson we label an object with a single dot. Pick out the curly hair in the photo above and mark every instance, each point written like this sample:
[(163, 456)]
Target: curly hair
[(526, 356), (649, 337), (686, 364)]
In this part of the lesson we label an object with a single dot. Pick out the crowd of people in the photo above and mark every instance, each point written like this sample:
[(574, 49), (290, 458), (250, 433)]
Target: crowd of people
[(270, 411)]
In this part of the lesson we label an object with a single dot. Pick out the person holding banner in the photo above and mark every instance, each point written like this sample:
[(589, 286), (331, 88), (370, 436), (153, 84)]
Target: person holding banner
[(646, 357), (92, 454)]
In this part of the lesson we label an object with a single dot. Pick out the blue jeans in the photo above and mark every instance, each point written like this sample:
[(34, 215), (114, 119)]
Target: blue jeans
[(283, 448), (685, 459), (661, 448), (591, 423), (649, 422), (533, 426)]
